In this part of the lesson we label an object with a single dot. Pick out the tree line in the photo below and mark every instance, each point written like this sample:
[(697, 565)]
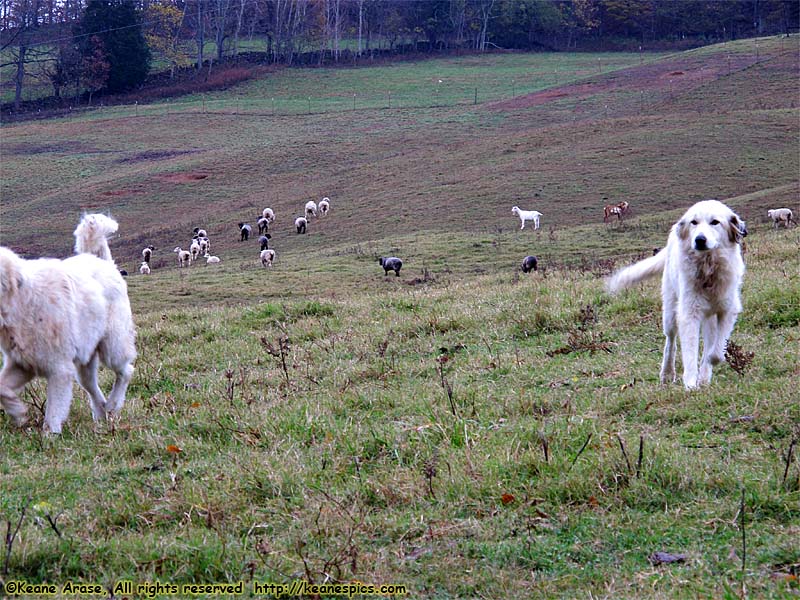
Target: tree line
[(91, 45)]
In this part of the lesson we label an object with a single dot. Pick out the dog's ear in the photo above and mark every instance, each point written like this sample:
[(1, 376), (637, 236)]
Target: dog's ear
[(735, 229), (682, 230)]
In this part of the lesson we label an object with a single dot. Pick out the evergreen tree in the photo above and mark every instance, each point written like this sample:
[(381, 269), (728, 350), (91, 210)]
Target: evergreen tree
[(118, 25)]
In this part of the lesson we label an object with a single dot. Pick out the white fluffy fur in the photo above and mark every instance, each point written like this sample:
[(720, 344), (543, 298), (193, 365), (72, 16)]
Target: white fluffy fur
[(91, 235), (184, 257), (527, 215), (268, 214), (702, 274), (211, 260), (144, 269), (780, 215), (60, 319), (267, 256), (311, 209), (324, 206)]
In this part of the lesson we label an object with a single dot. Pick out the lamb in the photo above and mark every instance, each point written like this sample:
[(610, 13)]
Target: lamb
[(195, 249), (263, 225), (211, 260), (268, 214), (205, 245), (147, 253), (311, 209), (529, 263), (267, 256), (301, 223), (91, 235), (264, 241), (145, 268), (527, 215), (245, 230), (324, 206), (780, 215), (391, 263), (201, 233), (184, 257)]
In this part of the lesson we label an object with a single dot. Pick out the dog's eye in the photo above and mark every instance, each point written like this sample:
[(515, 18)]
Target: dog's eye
[(715, 222), (694, 221)]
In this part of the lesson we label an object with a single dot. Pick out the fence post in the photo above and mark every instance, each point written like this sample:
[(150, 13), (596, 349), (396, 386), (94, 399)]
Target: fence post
[(309, 105), (354, 100), (390, 99), (476, 96)]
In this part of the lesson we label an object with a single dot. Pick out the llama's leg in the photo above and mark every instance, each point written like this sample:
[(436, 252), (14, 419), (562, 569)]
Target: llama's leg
[(12, 380)]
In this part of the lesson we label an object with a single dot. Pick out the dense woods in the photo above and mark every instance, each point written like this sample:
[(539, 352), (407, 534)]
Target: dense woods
[(106, 44)]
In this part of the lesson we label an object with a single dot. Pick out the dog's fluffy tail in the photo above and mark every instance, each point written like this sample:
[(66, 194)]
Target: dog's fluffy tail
[(644, 269), (91, 235)]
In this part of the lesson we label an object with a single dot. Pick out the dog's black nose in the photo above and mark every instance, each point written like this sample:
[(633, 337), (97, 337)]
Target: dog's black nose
[(700, 242)]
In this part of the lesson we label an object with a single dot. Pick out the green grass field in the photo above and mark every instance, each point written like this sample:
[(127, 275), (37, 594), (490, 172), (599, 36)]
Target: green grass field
[(464, 430)]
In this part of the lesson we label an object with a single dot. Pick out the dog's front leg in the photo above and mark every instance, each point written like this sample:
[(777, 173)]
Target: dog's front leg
[(689, 332), (710, 350)]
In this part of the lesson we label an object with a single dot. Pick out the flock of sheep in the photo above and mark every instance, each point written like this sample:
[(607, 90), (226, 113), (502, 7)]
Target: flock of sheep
[(201, 245)]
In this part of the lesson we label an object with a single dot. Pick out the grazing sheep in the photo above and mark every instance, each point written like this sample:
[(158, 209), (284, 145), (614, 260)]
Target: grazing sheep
[(198, 232), (324, 206), (529, 263), (301, 223), (195, 249), (311, 209), (615, 209), (527, 215), (211, 260), (184, 257), (391, 263), (267, 256), (145, 268), (264, 241), (268, 214), (780, 215), (245, 230), (263, 225), (147, 253)]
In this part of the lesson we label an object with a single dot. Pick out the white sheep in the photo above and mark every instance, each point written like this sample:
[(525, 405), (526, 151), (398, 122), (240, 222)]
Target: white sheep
[(311, 209), (324, 206), (184, 257), (780, 215), (205, 245), (263, 225), (211, 260), (527, 215), (145, 268), (268, 214), (301, 223), (267, 256), (200, 232), (195, 249)]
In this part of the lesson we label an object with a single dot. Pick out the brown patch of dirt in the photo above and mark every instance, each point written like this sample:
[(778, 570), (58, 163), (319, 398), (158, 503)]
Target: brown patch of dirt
[(183, 177), (691, 72)]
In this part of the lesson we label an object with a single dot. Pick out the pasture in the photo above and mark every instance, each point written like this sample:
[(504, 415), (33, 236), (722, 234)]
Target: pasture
[(464, 430)]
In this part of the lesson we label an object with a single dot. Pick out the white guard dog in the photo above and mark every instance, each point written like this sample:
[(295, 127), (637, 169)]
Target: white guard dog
[(59, 319), (703, 270)]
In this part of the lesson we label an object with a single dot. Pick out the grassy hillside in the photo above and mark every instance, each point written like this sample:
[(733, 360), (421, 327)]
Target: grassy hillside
[(463, 430)]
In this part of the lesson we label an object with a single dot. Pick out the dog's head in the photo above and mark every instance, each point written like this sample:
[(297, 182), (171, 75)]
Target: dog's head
[(710, 224), (11, 277)]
